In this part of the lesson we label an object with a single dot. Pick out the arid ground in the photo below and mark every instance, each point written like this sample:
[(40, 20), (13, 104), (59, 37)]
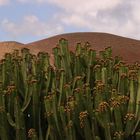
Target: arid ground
[(127, 48)]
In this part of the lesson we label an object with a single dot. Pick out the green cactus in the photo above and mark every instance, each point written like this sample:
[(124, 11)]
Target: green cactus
[(83, 94)]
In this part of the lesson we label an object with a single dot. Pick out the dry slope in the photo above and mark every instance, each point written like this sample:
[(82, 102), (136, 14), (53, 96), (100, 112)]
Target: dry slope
[(128, 48)]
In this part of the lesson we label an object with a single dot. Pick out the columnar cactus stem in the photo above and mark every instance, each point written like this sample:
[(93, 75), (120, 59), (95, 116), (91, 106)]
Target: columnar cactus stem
[(82, 96), (138, 96), (62, 82), (57, 57), (19, 121), (117, 115), (66, 59), (4, 130)]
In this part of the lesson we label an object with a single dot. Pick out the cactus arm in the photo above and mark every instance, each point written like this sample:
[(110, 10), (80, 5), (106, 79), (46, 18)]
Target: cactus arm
[(19, 121), (35, 105), (62, 72), (137, 112), (66, 59), (131, 109), (10, 120), (3, 120), (138, 96), (57, 58)]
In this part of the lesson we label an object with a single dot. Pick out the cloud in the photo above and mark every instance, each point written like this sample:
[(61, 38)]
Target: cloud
[(114, 16), (85, 6), (32, 1), (30, 26), (83, 13), (136, 10), (4, 2)]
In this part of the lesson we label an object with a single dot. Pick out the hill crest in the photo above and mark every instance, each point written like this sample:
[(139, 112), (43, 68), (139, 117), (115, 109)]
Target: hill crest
[(127, 48)]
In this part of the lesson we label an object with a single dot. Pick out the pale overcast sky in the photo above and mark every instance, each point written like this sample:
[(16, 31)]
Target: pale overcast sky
[(30, 20)]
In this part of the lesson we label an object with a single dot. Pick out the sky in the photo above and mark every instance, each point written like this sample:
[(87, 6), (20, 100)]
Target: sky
[(30, 20)]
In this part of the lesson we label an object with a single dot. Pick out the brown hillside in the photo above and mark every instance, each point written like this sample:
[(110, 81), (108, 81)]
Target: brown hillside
[(9, 46), (128, 48)]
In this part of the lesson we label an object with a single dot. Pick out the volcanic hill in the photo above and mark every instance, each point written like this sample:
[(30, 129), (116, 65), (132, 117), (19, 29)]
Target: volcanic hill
[(127, 48)]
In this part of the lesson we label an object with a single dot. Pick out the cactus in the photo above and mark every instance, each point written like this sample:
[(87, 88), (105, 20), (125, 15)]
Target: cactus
[(83, 94)]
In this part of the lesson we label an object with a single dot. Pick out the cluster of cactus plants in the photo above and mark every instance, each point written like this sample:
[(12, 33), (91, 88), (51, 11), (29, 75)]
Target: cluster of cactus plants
[(84, 95)]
